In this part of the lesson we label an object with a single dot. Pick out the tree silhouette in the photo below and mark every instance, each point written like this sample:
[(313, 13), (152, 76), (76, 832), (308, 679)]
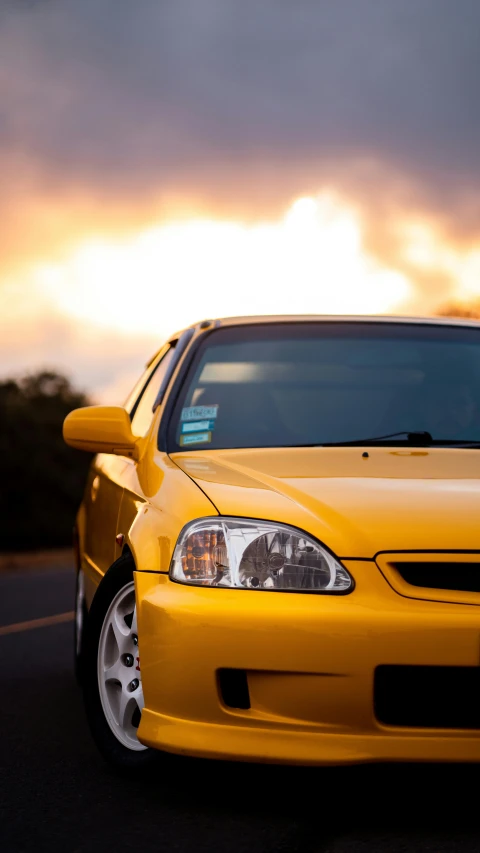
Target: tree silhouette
[(469, 310), (42, 478)]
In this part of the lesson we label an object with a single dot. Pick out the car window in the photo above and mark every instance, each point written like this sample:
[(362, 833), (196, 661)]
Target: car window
[(135, 394), (296, 384), (143, 413)]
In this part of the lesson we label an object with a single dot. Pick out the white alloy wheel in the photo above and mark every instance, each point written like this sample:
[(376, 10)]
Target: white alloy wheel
[(118, 669), (79, 605)]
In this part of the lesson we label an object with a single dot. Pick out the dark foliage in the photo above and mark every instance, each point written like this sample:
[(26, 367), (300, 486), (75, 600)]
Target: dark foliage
[(42, 478), (469, 310)]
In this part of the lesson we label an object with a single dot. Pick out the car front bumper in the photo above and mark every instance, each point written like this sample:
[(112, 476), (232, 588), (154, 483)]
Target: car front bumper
[(310, 663)]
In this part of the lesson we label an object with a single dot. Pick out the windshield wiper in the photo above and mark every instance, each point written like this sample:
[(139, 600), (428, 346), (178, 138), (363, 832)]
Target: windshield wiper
[(420, 438)]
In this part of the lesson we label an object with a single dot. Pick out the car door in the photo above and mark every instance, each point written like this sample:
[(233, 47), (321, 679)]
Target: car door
[(142, 417), (102, 503), (106, 480)]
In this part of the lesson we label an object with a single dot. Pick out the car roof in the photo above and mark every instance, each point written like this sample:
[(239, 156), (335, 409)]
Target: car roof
[(337, 318), (315, 318)]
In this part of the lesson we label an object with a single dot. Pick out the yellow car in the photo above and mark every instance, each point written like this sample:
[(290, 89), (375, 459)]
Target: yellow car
[(279, 545)]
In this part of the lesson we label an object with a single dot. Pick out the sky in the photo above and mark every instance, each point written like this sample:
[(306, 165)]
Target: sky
[(166, 161)]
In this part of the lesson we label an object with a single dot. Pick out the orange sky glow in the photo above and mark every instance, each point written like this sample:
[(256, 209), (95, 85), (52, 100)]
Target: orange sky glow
[(96, 303), (185, 160)]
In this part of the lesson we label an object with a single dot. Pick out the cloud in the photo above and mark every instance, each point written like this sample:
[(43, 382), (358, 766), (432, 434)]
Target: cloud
[(120, 117), (129, 98), (96, 307), (99, 309)]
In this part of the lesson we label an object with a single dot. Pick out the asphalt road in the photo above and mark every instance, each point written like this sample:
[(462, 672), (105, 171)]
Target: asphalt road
[(56, 793)]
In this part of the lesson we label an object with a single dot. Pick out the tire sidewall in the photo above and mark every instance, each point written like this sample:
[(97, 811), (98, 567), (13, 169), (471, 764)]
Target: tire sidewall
[(79, 647), (114, 752)]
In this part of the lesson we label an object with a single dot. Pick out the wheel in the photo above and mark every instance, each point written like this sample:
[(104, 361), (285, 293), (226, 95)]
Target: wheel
[(112, 682), (81, 614)]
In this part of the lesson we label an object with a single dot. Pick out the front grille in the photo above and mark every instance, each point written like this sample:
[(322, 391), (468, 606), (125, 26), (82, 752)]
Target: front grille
[(462, 577), (436, 697)]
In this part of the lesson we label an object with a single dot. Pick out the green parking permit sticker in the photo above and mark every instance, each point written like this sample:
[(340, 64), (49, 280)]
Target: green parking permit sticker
[(199, 413), (197, 426), (195, 438)]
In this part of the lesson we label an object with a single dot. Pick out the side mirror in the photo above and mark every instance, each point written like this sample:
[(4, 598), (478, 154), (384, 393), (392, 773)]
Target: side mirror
[(101, 429)]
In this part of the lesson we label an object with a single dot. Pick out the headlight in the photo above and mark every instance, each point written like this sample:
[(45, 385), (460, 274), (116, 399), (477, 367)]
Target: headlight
[(228, 552)]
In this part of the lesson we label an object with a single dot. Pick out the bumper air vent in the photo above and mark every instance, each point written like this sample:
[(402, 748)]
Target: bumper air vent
[(233, 686)]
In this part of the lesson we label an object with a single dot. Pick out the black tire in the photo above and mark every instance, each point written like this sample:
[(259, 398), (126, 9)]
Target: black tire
[(79, 633), (116, 754)]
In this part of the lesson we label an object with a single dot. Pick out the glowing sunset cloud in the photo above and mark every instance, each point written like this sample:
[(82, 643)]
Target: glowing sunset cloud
[(169, 276), (100, 306), (426, 251), (147, 171)]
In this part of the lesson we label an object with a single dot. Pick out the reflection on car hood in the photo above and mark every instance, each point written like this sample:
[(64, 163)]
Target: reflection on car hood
[(391, 500)]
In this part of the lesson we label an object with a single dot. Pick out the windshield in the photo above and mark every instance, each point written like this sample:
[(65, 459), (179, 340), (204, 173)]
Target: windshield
[(294, 384)]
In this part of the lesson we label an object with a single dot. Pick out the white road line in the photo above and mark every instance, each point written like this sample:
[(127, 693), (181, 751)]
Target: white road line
[(16, 627)]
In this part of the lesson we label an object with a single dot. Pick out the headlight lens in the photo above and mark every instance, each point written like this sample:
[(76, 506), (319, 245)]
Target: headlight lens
[(232, 552)]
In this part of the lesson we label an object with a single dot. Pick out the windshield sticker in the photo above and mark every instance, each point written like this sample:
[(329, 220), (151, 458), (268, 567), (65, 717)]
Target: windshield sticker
[(199, 413), (195, 438), (198, 426)]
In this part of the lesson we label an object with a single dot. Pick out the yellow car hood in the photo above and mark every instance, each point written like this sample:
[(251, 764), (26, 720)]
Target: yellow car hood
[(394, 499)]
